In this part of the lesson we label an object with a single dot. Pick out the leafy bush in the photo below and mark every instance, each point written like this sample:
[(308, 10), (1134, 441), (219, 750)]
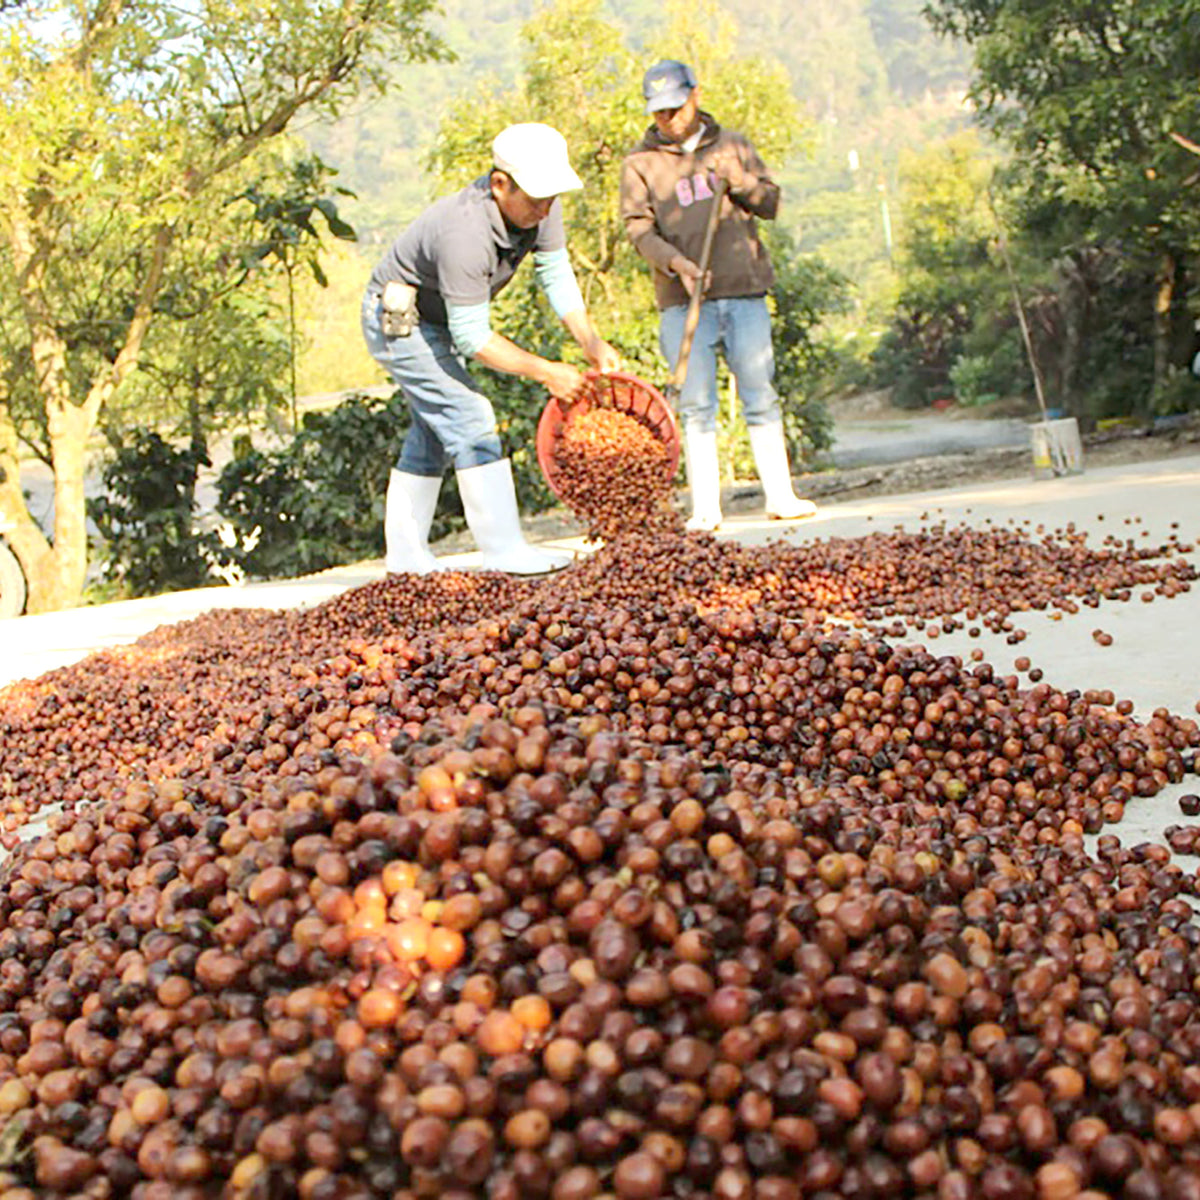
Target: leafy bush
[(1179, 393), (318, 501), (147, 519), (806, 291), (1004, 370), (914, 356), (969, 375), (972, 377)]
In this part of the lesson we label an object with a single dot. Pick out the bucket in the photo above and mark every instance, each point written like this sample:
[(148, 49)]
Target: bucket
[(1057, 448), (626, 393)]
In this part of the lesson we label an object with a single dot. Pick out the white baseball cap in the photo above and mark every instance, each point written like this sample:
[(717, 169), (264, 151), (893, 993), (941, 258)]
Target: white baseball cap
[(536, 158)]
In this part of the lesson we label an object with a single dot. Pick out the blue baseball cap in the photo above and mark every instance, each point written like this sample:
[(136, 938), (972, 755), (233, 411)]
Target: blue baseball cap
[(667, 84)]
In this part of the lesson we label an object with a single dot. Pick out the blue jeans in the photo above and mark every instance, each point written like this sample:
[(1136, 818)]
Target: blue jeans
[(452, 420), (741, 327)]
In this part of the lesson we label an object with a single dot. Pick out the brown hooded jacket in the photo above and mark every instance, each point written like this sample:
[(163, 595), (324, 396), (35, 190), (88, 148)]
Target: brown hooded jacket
[(664, 203)]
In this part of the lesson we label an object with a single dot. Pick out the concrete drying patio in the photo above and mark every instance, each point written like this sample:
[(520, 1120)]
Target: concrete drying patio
[(1154, 658)]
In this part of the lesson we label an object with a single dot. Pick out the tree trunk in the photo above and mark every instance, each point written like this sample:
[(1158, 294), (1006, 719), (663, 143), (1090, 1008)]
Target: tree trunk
[(1073, 299), (1164, 296), (56, 573), (291, 295), (61, 585)]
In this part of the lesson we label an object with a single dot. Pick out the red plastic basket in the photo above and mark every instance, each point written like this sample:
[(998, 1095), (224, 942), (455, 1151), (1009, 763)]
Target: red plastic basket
[(627, 393)]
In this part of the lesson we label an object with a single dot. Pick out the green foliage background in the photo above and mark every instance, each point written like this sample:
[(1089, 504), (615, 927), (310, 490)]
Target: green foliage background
[(147, 518), (902, 213), (867, 76)]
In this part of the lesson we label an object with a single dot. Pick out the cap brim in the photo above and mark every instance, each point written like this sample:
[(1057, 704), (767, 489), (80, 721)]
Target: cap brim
[(540, 184), (676, 98)]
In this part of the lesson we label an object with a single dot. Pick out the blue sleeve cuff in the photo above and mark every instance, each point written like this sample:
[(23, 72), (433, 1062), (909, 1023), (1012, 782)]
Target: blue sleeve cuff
[(470, 327), (557, 278)]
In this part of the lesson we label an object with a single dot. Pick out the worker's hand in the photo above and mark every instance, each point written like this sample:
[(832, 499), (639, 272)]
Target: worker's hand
[(604, 357), (562, 380), (728, 166), (688, 272)]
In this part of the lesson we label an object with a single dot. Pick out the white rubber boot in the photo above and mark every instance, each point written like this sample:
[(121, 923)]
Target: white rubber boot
[(408, 515), (770, 458), (704, 479), (490, 504)]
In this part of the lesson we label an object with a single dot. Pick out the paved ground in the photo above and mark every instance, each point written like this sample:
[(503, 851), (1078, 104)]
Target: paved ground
[(900, 436), (1154, 659)]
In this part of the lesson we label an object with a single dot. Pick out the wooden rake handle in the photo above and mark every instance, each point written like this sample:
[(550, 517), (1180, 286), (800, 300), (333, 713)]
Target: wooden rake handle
[(693, 313)]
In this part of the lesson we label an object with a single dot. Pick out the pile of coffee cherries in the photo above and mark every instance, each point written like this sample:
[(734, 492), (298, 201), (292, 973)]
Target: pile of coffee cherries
[(652, 879), (613, 472)]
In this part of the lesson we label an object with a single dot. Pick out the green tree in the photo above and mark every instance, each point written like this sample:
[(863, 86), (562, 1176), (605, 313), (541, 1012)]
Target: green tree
[(289, 237), (945, 214), (223, 343), (949, 286), (120, 124), (217, 357), (579, 75), (222, 368), (1087, 95)]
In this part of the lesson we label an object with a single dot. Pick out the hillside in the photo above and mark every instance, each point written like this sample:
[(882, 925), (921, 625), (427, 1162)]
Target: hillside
[(869, 72)]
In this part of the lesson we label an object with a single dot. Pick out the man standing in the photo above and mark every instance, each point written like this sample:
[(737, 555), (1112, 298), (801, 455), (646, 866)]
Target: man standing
[(666, 193), (426, 313)]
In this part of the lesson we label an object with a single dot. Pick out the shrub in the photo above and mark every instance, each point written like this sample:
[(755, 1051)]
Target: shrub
[(318, 501), (971, 377), (148, 522)]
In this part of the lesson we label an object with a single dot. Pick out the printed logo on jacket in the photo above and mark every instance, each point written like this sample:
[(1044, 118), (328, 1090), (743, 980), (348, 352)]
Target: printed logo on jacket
[(692, 188)]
